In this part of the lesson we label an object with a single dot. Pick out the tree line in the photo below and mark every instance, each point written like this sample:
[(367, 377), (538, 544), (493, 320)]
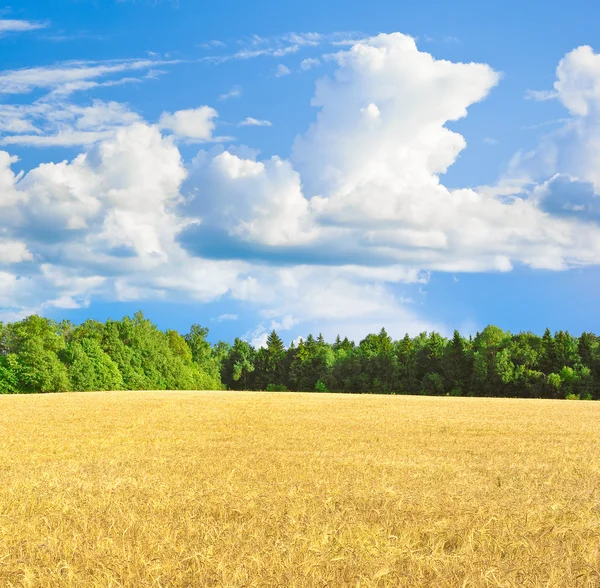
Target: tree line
[(40, 355)]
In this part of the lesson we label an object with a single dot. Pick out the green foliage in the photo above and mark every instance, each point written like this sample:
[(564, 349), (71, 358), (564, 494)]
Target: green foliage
[(269, 363), (40, 355), (320, 387), (432, 384), (311, 362), (39, 369), (91, 368), (276, 388), (9, 382), (238, 366)]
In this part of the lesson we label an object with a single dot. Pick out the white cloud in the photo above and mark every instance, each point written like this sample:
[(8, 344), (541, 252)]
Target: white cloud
[(364, 182), (286, 44), (254, 122), (578, 81), (195, 124), (333, 301), (66, 138), (318, 238), (57, 123), (103, 225), (212, 44), (226, 317), (282, 70), (19, 26), (572, 149), (540, 95), (74, 75), (275, 214), (309, 63), (235, 92), (13, 251)]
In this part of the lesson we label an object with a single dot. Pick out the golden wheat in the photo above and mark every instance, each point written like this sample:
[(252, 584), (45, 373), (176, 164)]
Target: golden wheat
[(251, 489)]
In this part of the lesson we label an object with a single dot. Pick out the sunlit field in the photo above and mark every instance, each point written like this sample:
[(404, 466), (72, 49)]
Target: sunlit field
[(265, 489)]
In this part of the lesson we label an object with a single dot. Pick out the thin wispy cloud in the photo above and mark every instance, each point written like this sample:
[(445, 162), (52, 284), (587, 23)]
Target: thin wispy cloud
[(53, 119), (63, 37), (235, 92), (47, 124), (212, 44), (447, 40), (282, 45), (309, 63), (22, 81), (540, 95), (68, 138), (547, 123), (20, 26), (225, 317), (282, 70), (253, 122)]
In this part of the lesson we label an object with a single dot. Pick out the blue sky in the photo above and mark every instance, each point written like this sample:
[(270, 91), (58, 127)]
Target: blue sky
[(312, 166)]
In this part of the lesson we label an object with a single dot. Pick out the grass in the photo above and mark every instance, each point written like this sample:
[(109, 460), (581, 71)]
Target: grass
[(250, 489)]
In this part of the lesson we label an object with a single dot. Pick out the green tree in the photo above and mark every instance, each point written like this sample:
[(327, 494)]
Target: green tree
[(269, 362), (457, 365), (238, 366)]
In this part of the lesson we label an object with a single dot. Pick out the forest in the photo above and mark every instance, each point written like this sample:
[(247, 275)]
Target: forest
[(41, 355)]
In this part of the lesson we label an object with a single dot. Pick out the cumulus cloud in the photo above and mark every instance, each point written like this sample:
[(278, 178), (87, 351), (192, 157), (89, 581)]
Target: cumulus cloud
[(363, 182), (101, 225), (316, 238), (251, 200), (578, 81), (573, 149), (13, 251), (195, 124)]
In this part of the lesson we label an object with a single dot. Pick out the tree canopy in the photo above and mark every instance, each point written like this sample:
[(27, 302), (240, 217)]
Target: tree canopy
[(40, 355)]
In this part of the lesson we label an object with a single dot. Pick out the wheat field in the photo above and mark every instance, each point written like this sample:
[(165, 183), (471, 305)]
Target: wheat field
[(284, 489)]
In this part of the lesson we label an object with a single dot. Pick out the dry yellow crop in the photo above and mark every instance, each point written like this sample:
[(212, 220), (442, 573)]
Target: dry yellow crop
[(251, 489)]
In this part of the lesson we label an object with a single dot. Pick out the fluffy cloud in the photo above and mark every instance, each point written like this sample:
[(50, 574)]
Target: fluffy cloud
[(255, 201), (572, 151), (102, 225), (384, 110), (578, 81), (363, 183), (195, 124), (318, 237), (13, 251)]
